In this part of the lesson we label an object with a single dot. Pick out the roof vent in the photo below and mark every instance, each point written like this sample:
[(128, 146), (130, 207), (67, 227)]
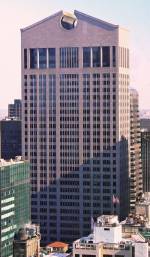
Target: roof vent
[(68, 21)]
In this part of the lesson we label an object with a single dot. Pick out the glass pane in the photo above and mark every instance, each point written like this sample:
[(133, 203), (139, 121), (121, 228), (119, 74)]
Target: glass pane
[(33, 58), (96, 56), (25, 58), (52, 57), (86, 57), (42, 58), (106, 56), (114, 56)]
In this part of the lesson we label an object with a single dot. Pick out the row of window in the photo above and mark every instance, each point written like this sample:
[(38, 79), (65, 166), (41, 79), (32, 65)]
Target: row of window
[(43, 58)]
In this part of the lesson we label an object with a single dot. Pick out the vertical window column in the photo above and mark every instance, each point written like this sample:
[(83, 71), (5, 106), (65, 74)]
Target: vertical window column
[(106, 56), (86, 57), (114, 56), (33, 58), (95, 56), (25, 59), (42, 58), (51, 57)]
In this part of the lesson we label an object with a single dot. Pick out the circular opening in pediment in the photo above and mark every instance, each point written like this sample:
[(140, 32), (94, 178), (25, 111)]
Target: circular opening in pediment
[(68, 21)]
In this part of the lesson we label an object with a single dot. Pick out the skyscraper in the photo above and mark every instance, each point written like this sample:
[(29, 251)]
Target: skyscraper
[(15, 201), (14, 110), (136, 179), (10, 138), (75, 99)]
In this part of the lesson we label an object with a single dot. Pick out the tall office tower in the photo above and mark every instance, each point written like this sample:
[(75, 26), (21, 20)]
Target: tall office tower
[(15, 201), (76, 135), (145, 146), (10, 138), (15, 109), (136, 179)]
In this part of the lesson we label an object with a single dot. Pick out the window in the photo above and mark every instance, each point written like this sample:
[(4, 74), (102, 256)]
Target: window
[(52, 57), (96, 56), (114, 56), (88, 255), (25, 58), (106, 56), (42, 58), (69, 57), (86, 57), (33, 58), (106, 229)]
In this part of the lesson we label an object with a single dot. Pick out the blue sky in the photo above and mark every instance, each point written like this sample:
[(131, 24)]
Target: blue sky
[(132, 14)]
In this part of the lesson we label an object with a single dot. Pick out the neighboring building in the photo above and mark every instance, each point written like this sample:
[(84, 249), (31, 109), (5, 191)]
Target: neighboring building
[(59, 247), (10, 138), (145, 124), (136, 179), (145, 146), (139, 222), (15, 201), (76, 113), (108, 240), (27, 242), (14, 110)]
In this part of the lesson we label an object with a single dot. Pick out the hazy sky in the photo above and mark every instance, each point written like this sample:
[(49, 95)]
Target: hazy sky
[(16, 14)]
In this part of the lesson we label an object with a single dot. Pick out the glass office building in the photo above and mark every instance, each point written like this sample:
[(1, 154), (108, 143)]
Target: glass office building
[(14, 202)]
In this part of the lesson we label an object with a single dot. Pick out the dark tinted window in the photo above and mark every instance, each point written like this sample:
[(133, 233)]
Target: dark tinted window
[(25, 58), (106, 56), (52, 57), (96, 56), (114, 56), (42, 58), (86, 57), (33, 58)]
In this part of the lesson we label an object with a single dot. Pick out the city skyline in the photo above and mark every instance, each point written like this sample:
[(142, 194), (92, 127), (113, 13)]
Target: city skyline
[(18, 15)]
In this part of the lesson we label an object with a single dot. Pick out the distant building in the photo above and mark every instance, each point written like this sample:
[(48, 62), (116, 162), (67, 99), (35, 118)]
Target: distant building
[(27, 242), (139, 222), (108, 240), (145, 124), (145, 150), (15, 201), (75, 95), (14, 110), (136, 179), (10, 138)]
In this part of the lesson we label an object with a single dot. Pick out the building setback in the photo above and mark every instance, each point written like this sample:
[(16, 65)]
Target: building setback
[(10, 138), (136, 179), (75, 100), (15, 202)]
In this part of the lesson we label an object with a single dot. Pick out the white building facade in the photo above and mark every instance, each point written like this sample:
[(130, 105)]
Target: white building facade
[(75, 121), (107, 242)]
